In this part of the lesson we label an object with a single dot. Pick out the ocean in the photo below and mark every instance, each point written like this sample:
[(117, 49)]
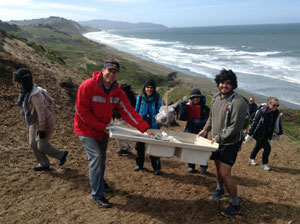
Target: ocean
[(265, 58)]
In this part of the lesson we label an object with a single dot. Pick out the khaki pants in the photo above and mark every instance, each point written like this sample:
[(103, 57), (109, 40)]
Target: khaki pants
[(41, 148)]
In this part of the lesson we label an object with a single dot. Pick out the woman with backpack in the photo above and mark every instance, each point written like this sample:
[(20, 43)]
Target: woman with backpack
[(266, 120), (38, 116), (147, 105)]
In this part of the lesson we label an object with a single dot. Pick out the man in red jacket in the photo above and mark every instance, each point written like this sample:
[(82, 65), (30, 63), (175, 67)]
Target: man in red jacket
[(96, 99)]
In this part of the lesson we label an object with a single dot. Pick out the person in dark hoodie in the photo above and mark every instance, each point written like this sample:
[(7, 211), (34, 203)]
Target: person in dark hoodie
[(38, 116), (266, 120), (96, 99), (124, 145), (196, 114)]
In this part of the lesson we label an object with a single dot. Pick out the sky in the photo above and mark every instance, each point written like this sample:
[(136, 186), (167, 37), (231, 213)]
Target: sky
[(171, 13)]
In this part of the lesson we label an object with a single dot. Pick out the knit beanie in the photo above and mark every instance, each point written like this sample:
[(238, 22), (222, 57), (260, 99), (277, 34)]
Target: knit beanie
[(195, 92), (24, 76), (150, 82)]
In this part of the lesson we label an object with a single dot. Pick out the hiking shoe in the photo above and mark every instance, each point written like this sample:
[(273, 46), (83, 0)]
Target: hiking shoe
[(218, 194), (102, 202), (122, 152), (157, 172), (63, 159), (191, 170), (252, 162), (232, 210), (107, 188), (137, 168), (203, 170), (266, 167), (40, 168)]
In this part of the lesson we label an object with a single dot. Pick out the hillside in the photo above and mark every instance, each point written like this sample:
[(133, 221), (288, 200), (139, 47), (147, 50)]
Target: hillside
[(104, 24), (53, 22), (62, 195)]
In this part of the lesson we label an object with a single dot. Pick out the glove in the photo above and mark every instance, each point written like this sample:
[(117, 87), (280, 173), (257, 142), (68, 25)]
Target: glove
[(42, 134), (248, 138), (280, 137)]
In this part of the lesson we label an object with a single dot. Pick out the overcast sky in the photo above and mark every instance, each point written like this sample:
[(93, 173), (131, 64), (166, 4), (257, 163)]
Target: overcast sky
[(172, 13)]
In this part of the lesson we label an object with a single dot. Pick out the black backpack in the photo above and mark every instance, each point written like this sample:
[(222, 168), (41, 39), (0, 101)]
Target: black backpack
[(130, 96)]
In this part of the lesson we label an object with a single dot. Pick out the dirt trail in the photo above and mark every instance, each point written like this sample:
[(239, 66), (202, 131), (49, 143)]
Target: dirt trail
[(165, 97)]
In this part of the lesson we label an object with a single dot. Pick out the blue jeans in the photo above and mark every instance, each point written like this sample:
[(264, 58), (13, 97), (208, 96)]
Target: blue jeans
[(96, 152)]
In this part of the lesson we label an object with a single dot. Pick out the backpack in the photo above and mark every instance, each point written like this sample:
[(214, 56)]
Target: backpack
[(228, 111), (49, 101), (130, 96)]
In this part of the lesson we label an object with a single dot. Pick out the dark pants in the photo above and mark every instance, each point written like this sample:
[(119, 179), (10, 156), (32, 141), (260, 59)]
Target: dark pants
[(267, 150), (192, 165), (140, 159)]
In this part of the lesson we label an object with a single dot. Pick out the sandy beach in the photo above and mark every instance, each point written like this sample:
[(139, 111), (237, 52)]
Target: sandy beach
[(205, 84)]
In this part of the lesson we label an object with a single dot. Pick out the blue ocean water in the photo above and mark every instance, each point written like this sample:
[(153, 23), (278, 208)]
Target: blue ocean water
[(266, 58)]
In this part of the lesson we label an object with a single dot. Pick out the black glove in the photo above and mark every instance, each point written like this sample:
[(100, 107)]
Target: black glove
[(42, 134)]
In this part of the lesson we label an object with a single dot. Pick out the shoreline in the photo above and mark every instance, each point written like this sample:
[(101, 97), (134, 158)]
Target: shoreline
[(203, 83)]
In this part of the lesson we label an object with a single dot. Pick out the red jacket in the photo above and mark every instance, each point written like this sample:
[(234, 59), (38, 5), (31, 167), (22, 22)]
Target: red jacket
[(94, 108)]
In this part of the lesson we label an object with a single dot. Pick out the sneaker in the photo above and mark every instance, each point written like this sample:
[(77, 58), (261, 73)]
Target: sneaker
[(40, 168), (157, 172), (203, 170), (137, 168), (266, 167), (107, 188), (192, 170), (218, 194), (102, 202), (63, 159), (122, 152), (232, 210), (252, 162)]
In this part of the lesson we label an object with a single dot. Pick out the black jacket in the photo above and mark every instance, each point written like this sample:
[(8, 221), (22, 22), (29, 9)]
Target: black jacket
[(264, 123)]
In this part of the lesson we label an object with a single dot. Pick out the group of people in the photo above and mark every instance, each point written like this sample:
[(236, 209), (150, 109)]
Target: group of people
[(99, 96)]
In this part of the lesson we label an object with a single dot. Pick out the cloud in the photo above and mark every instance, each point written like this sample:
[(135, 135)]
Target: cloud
[(125, 1), (46, 5), (15, 2)]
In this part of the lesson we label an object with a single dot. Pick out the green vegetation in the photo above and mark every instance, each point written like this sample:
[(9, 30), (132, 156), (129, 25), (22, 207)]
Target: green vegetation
[(291, 123)]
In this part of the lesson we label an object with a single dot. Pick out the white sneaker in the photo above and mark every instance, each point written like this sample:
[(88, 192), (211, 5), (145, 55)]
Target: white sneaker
[(266, 167), (252, 162)]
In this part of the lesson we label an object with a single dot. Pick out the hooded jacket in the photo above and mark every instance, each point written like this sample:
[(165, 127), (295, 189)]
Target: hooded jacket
[(264, 123), (94, 108), (42, 115)]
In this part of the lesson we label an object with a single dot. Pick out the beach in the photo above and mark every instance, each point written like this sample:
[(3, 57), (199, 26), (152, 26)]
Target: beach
[(264, 57)]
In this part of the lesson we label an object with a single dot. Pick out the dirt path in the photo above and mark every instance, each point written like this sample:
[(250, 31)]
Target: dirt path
[(165, 97)]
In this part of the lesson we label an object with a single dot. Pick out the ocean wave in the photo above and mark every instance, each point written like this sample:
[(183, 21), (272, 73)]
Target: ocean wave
[(207, 60)]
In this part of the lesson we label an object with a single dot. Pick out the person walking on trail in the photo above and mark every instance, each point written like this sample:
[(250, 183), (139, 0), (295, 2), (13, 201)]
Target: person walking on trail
[(227, 115), (196, 114), (266, 120), (38, 116), (124, 145), (147, 105), (96, 99), (252, 107)]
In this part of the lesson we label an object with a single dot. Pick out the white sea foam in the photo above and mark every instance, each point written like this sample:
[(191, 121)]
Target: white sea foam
[(208, 60)]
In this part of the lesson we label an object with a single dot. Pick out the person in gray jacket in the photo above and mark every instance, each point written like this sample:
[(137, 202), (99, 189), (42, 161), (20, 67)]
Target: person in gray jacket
[(227, 115), (39, 118)]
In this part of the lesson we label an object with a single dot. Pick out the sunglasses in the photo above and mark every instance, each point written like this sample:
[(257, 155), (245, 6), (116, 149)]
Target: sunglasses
[(275, 105)]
